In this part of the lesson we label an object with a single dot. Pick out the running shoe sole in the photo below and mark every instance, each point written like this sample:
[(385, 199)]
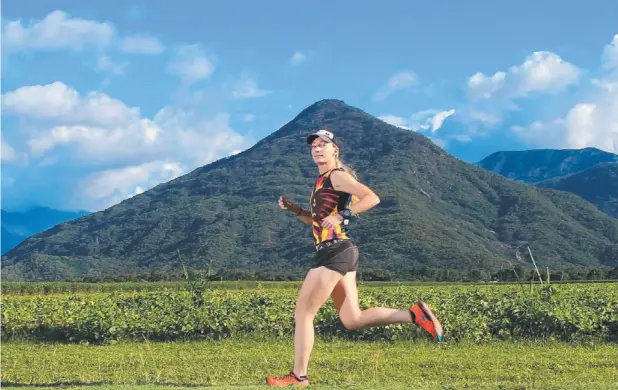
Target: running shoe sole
[(436, 324)]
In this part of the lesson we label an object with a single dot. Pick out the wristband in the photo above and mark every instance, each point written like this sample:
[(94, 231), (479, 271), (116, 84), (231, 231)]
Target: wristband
[(346, 214), (291, 206)]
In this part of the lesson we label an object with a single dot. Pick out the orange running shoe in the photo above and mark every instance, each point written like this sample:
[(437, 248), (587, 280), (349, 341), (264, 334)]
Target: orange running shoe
[(423, 317), (287, 380)]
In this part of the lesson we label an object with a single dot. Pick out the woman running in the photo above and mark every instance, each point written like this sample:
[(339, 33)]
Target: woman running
[(336, 197)]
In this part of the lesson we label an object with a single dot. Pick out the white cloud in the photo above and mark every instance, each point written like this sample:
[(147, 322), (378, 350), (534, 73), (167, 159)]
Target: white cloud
[(540, 134), (483, 87), (246, 88), (485, 118), (199, 140), (422, 115), (95, 131), (480, 118), (400, 80), (173, 132), (111, 186), (540, 72), (544, 71), (10, 156), (492, 97), (585, 125), (56, 101), (429, 119), (463, 138), (610, 55), (592, 122), (422, 120), (191, 63), (607, 84), (298, 58), (105, 64), (99, 144), (56, 31), (47, 101), (8, 153), (142, 44), (249, 118), (110, 68), (395, 121), (437, 120)]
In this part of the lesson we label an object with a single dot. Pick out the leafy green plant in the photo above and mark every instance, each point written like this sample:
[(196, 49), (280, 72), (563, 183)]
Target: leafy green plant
[(196, 284), (479, 313)]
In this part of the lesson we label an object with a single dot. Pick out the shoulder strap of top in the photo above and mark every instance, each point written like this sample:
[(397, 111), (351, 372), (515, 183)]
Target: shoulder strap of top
[(328, 173)]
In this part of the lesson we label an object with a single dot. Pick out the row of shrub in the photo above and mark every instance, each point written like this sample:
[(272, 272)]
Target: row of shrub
[(478, 313)]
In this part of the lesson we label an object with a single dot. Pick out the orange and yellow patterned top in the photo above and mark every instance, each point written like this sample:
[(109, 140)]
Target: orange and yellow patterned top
[(325, 201)]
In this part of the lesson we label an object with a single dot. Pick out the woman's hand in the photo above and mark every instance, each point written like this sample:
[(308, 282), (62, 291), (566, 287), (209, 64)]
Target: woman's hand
[(304, 215), (286, 204), (332, 221)]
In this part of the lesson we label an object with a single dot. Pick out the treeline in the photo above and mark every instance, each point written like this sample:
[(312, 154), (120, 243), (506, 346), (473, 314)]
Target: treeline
[(518, 273), (419, 274)]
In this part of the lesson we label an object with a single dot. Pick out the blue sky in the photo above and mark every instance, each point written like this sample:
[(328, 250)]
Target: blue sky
[(101, 101)]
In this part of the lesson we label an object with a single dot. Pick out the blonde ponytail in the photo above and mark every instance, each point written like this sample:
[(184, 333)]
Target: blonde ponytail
[(348, 169)]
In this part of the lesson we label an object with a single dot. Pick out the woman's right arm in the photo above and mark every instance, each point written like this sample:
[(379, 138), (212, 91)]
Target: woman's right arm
[(304, 215)]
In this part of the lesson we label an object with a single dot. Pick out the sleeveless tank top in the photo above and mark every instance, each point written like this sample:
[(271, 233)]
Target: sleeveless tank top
[(325, 201)]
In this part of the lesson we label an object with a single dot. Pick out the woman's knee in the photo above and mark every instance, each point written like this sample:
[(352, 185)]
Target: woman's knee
[(350, 321), (305, 310)]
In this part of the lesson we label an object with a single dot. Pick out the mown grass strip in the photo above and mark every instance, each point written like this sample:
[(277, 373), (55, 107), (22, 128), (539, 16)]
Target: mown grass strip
[(340, 364)]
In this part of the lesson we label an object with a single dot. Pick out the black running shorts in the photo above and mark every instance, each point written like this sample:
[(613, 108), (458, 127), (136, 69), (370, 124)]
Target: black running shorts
[(341, 256)]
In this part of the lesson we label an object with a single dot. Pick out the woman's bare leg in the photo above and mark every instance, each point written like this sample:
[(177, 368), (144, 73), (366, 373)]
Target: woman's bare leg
[(345, 297), (317, 287)]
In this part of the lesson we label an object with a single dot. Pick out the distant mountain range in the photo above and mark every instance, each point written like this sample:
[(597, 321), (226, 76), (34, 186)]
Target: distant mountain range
[(533, 166), (19, 225), (436, 211), (590, 173)]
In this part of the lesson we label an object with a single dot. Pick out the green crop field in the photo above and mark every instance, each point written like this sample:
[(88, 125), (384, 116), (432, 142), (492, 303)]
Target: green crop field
[(498, 336), (48, 288)]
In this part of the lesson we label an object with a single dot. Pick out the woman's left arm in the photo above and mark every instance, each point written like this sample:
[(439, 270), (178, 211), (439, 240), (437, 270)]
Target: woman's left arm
[(343, 181)]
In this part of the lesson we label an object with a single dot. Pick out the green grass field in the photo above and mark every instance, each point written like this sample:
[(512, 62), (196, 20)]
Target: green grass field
[(335, 364)]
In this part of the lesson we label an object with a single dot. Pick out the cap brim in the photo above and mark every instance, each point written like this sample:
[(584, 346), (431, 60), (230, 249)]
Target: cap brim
[(312, 138)]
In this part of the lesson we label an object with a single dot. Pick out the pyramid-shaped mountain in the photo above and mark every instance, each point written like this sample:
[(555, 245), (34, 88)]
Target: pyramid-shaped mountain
[(435, 210)]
